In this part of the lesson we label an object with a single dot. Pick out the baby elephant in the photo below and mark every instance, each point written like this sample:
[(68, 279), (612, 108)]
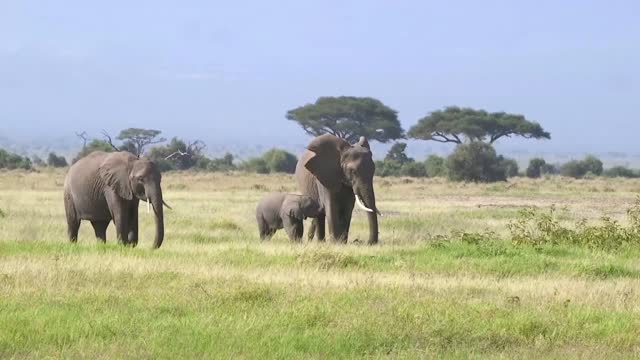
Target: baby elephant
[(278, 210)]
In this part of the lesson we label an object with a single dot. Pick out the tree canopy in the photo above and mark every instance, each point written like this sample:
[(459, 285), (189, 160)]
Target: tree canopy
[(397, 153), (454, 124), (135, 140), (349, 117)]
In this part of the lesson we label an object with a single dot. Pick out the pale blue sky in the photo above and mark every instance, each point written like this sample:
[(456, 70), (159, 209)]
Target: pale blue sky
[(208, 69)]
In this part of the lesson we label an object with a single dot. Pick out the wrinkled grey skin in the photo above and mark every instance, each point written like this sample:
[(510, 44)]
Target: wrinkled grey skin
[(332, 172), (108, 186), (278, 210)]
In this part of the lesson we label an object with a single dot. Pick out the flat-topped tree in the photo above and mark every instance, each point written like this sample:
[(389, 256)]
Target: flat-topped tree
[(135, 140), (349, 117), (454, 124)]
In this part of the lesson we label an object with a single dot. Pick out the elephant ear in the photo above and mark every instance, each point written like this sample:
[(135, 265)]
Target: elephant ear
[(114, 171), (324, 164), (292, 208)]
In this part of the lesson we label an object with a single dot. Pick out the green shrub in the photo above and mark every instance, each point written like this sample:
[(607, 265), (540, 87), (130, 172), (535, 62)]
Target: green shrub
[(593, 165), (37, 161), (536, 228), (550, 169), (574, 168), (225, 163), (413, 169), (510, 166), (534, 170), (388, 168), (256, 165), (579, 168), (176, 155), (397, 163), (9, 160), (475, 161), (435, 166), (620, 171), (278, 160), (54, 160)]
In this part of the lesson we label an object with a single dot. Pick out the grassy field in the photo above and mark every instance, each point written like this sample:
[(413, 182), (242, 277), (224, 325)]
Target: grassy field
[(215, 291)]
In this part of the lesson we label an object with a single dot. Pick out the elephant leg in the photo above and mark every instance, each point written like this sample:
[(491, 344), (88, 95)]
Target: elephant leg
[(121, 220), (73, 223), (294, 228), (132, 236), (312, 229), (339, 214), (346, 214), (263, 229), (320, 230), (267, 234), (100, 228)]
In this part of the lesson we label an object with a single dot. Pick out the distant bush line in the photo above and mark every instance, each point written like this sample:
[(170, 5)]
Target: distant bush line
[(478, 162), (472, 161)]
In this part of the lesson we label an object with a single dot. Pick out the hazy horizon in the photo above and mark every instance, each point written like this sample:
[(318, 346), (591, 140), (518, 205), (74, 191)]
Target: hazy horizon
[(212, 71)]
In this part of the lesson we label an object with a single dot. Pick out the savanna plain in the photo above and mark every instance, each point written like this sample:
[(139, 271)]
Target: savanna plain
[(448, 280)]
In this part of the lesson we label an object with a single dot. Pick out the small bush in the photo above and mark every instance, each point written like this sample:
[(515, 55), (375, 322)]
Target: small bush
[(54, 160), (510, 166), (476, 161), (574, 168), (12, 161), (534, 170), (278, 160), (413, 169), (537, 228), (256, 165), (435, 166), (388, 168), (620, 171), (593, 165), (37, 161), (579, 168), (550, 169), (225, 163)]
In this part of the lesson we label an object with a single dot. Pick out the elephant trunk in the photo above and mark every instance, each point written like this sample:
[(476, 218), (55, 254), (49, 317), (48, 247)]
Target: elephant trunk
[(154, 195), (366, 195)]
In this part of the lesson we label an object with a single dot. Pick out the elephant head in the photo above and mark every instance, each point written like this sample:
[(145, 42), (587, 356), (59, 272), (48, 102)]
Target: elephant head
[(300, 207), (129, 177), (336, 164)]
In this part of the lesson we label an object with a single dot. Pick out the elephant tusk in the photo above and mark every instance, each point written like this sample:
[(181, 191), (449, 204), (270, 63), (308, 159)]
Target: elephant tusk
[(379, 213), (361, 205), (148, 206), (165, 204)]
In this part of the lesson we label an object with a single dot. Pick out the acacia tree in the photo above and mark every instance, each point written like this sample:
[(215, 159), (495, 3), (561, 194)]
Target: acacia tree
[(135, 140), (397, 153), (454, 124), (348, 117)]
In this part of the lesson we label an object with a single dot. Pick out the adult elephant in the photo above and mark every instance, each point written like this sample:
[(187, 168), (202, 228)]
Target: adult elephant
[(337, 174), (108, 186)]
